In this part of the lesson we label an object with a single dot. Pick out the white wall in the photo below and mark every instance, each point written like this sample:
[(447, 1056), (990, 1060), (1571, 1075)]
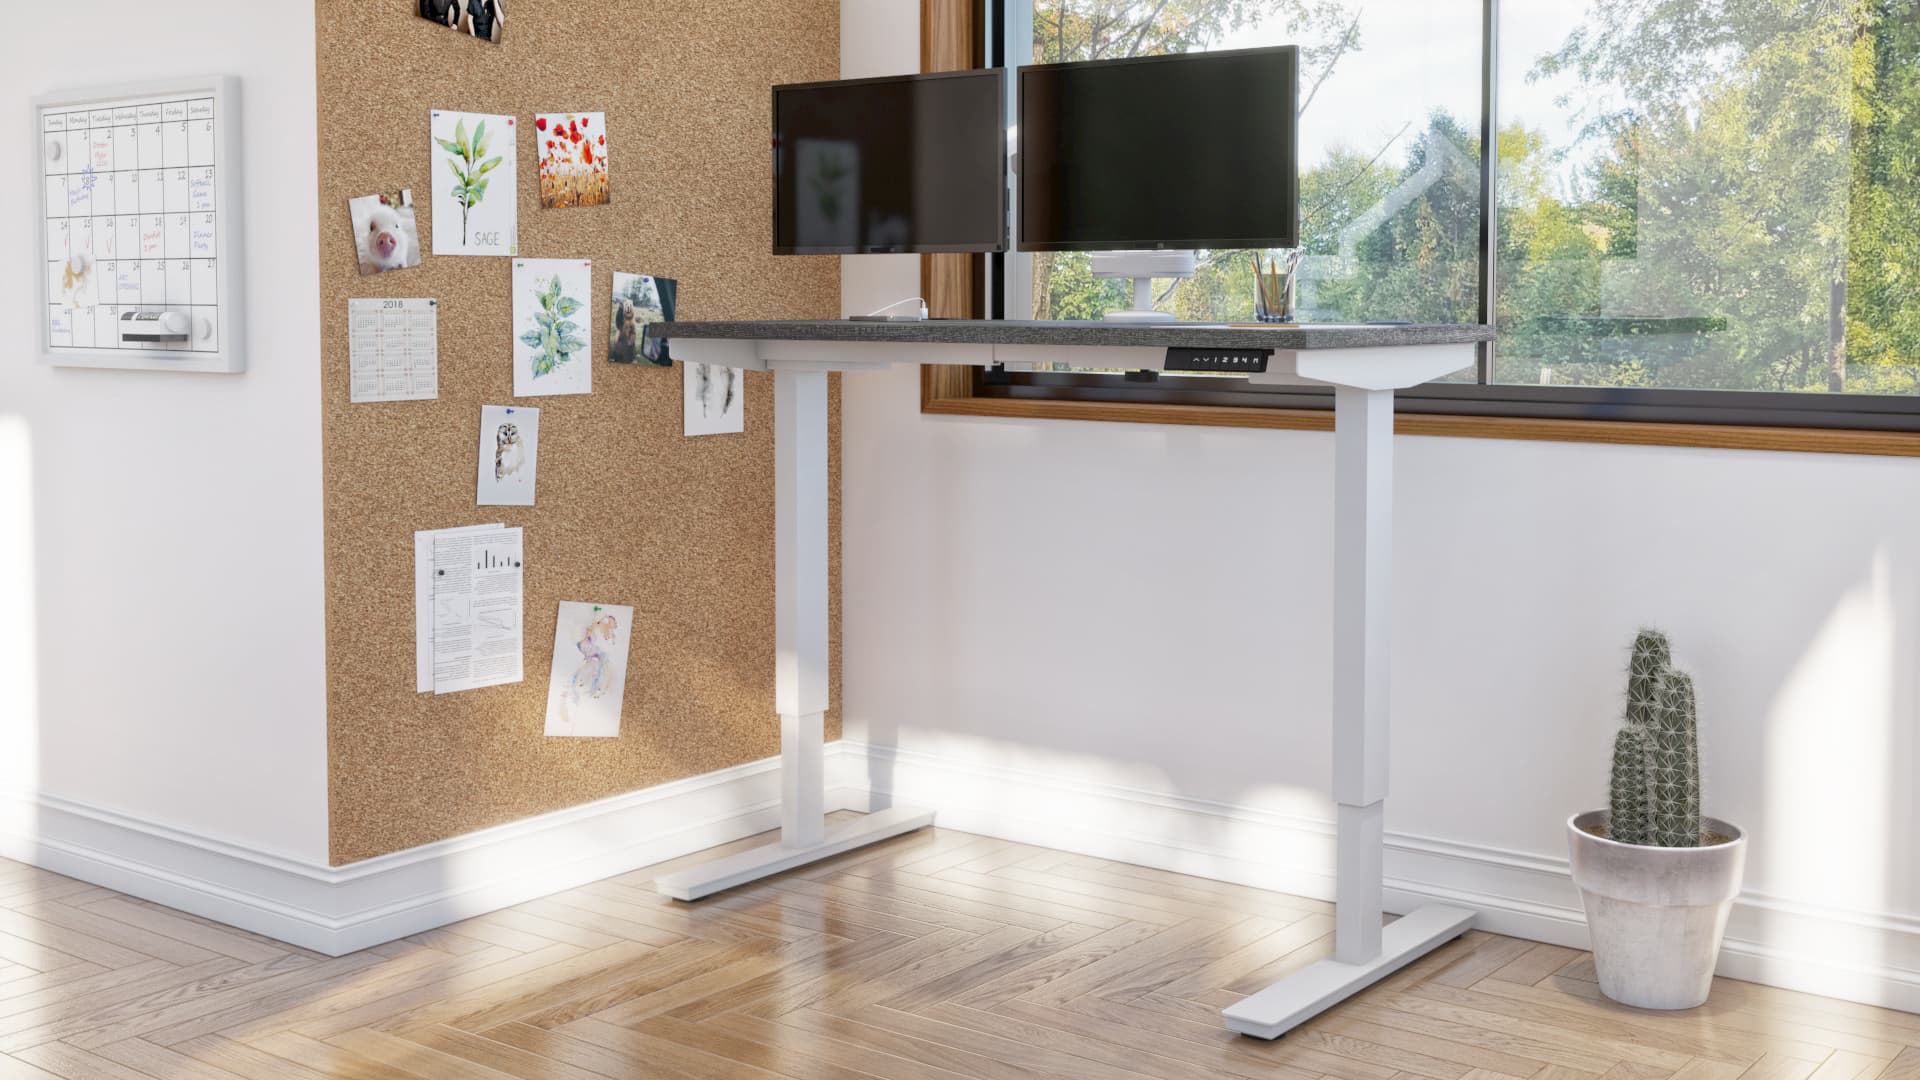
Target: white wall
[(1105, 606), (1052, 625), (163, 650)]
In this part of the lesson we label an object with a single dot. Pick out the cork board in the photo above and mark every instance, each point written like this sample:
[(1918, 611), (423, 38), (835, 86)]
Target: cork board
[(629, 511)]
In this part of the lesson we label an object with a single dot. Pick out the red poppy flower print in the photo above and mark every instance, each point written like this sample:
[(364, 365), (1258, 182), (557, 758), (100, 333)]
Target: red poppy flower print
[(573, 164)]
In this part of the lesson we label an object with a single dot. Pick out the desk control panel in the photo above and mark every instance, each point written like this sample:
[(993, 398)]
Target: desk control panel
[(1218, 361)]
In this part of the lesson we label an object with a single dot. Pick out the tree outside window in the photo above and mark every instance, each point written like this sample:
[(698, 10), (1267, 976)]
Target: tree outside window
[(1716, 195)]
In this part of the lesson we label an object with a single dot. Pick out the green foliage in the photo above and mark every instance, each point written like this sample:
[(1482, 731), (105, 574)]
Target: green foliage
[(1066, 30), (1738, 210), (1074, 293), (1883, 256), (1654, 788), (1754, 165), (554, 333), (471, 168), (1421, 263)]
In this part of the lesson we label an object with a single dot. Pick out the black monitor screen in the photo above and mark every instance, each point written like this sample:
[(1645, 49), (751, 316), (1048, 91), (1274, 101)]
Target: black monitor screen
[(916, 163), (1188, 151)]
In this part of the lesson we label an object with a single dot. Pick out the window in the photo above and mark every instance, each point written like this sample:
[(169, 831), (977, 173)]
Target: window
[(1389, 168), (1707, 211), (1716, 196)]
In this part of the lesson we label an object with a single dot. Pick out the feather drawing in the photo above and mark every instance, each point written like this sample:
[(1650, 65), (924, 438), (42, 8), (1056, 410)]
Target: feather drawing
[(703, 388)]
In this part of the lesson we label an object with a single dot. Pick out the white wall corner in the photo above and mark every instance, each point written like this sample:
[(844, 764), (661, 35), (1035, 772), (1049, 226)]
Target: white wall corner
[(338, 910)]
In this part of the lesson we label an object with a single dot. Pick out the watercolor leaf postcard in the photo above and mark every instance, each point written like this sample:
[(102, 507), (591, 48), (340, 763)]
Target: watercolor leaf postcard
[(554, 333), (474, 192), (551, 316), (471, 169)]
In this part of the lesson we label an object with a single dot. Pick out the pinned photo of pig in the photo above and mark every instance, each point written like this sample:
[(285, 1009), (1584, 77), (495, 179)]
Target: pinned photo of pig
[(383, 232)]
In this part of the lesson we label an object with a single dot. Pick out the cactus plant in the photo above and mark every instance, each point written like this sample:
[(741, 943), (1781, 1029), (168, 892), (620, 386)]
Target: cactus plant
[(1654, 794)]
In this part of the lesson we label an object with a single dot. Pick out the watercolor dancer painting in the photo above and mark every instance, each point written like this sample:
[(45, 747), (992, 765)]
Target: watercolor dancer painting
[(573, 158), (552, 311), (589, 680)]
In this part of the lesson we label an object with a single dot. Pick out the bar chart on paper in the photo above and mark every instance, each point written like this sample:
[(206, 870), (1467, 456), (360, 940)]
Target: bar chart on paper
[(496, 558)]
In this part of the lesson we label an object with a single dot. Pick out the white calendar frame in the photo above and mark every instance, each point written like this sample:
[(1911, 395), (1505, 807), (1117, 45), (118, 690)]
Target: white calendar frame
[(229, 354)]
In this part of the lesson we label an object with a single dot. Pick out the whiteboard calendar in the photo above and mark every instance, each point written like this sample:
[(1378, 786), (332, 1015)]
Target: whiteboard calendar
[(139, 226)]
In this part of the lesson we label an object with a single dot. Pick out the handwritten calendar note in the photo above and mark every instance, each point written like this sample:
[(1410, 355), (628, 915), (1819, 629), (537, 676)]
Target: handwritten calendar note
[(132, 213), (393, 349)]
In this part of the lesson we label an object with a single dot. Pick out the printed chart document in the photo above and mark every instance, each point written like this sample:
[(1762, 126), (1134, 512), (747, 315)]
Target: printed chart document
[(468, 608)]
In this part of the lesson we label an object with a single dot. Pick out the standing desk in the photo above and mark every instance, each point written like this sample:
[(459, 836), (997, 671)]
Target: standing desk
[(1364, 365)]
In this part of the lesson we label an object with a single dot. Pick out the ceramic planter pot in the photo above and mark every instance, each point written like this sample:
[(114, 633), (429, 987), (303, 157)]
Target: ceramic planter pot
[(1655, 913)]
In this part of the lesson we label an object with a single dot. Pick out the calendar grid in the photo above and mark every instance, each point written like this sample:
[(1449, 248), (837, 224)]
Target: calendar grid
[(132, 189)]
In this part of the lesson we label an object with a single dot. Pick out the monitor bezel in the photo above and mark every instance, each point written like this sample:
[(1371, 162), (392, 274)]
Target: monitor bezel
[(1022, 241), (998, 75)]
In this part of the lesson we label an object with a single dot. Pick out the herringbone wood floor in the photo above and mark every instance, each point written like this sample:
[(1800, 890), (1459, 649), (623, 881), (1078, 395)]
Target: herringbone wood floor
[(936, 955)]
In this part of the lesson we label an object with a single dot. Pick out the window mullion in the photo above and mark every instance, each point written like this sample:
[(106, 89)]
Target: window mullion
[(1489, 181)]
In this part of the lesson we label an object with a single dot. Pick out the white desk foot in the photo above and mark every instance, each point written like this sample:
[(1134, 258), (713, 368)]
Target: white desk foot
[(1318, 987), (770, 859)]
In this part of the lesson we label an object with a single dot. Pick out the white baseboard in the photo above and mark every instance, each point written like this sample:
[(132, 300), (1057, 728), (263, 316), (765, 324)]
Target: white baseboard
[(337, 910), (1872, 957)]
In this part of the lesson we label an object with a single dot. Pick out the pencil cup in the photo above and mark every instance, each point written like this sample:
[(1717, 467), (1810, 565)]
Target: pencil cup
[(1273, 296)]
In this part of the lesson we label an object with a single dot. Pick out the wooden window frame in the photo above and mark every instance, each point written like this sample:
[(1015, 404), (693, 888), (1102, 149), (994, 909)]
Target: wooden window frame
[(953, 37)]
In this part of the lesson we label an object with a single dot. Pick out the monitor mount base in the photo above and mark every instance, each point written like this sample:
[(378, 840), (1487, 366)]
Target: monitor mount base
[(1143, 267)]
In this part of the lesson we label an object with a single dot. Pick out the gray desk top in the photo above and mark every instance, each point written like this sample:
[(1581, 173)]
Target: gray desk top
[(1016, 332)]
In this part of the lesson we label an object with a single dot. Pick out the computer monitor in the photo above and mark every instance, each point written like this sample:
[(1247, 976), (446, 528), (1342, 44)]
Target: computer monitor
[(1196, 150), (906, 164)]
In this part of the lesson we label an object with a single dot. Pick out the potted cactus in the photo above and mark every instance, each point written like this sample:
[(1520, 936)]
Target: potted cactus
[(1657, 878)]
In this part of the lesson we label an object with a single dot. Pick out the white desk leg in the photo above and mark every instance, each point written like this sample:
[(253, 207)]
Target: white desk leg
[(800, 565), (1363, 953), (800, 600)]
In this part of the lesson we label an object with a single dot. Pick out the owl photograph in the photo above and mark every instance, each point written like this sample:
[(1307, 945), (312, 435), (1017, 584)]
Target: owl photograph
[(509, 455), (508, 452)]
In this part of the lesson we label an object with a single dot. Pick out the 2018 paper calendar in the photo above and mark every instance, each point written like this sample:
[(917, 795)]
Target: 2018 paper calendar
[(138, 223)]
